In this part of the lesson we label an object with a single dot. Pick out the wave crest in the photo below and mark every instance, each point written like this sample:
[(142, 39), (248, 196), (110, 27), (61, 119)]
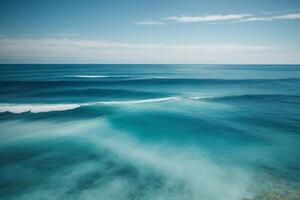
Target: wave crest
[(36, 108), (138, 101), (39, 108), (90, 76)]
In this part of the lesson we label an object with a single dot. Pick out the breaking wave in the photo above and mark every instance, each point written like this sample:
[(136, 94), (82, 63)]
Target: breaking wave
[(90, 76), (38, 108)]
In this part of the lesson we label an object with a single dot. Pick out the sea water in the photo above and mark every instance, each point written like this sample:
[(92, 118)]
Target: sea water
[(209, 132)]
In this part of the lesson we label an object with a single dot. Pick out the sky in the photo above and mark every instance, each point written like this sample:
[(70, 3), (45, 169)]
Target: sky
[(150, 31)]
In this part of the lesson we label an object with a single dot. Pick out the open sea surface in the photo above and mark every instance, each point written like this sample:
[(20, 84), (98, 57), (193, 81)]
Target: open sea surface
[(149, 132)]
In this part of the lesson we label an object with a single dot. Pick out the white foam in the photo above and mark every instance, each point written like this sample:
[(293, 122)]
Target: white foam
[(90, 76), (36, 108), (138, 101), (153, 78), (199, 98), (206, 178)]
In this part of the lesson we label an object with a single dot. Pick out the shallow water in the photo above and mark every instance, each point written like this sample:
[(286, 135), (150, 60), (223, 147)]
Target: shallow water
[(206, 132)]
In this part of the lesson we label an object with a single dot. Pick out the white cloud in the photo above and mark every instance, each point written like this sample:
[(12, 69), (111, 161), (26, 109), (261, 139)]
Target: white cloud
[(231, 18), (288, 16), (150, 22), (68, 50), (207, 18), (292, 16)]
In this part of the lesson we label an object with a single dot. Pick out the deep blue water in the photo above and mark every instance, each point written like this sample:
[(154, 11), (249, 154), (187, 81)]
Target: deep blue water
[(209, 132)]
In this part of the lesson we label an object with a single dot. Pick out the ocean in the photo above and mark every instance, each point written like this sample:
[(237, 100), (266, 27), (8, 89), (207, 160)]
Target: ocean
[(149, 132)]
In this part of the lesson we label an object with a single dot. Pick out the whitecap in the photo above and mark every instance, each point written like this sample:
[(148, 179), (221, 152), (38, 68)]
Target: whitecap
[(90, 76), (200, 98), (138, 101), (36, 108), (39, 108)]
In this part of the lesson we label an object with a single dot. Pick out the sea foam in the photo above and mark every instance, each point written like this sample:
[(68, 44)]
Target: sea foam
[(36, 108), (138, 101), (90, 76)]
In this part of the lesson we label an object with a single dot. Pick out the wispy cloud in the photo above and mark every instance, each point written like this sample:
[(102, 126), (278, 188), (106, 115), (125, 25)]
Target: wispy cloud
[(228, 18), (150, 22), (71, 50), (292, 16), (207, 18)]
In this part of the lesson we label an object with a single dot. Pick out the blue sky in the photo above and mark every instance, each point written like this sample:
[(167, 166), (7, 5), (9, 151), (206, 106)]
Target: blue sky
[(154, 31)]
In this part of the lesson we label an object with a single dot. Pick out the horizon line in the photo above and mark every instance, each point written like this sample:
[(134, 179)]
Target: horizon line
[(149, 63)]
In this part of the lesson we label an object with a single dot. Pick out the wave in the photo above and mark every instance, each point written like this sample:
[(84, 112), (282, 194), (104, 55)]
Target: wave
[(291, 98), (242, 97), (39, 108), (95, 93), (138, 101), (254, 97), (90, 76), (150, 79), (100, 76), (201, 98), (199, 80), (124, 82), (36, 108)]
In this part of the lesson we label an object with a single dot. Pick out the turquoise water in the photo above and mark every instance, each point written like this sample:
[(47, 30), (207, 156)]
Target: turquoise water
[(208, 132)]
